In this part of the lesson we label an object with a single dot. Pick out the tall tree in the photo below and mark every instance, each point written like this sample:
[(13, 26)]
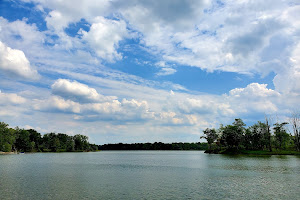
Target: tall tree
[(7, 137), (269, 136), (256, 136), (232, 135), (51, 142), (23, 142), (295, 121), (281, 135), (35, 137), (210, 135), (81, 142)]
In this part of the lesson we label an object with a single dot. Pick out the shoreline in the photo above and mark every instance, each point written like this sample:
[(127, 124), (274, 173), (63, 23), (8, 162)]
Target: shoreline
[(223, 152), (7, 153), (253, 152)]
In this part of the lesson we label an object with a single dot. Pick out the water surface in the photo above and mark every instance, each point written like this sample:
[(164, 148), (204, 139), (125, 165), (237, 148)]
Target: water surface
[(148, 175)]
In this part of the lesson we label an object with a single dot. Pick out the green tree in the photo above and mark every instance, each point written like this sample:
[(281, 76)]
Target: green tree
[(7, 137), (248, 139), (256, 136), (51, 142), (70, 145), (63, 139), (36, 139), (23, 142), (81, 142), (232, 135), (210, 135), (281, 136)]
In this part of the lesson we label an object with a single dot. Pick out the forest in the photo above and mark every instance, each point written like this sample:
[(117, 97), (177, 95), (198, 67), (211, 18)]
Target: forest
[(155, 146), (21, 140), (261, 136)]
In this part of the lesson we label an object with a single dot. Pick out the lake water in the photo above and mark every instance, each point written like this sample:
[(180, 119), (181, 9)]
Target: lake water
[(148, 175)]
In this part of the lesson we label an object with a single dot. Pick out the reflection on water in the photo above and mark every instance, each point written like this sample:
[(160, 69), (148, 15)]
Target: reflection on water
[(148, 175)]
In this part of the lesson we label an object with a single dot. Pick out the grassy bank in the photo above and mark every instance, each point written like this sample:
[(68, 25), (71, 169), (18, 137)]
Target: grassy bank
[(275, 152), (254, 152)]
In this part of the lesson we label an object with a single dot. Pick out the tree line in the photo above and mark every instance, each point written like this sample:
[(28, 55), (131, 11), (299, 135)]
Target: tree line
[(259, 136), (154, 146), (21, 140)]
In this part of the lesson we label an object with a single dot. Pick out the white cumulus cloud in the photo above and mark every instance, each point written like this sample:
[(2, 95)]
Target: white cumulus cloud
[(11, 98), (254, 98), (254, 90), (76, 91), (13, 62), (104, 37), (55, 103)]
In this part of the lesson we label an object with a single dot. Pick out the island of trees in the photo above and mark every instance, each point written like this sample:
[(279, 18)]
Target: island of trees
[(260, 138), (21, 140)]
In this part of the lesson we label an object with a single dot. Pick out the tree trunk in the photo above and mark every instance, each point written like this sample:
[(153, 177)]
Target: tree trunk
[(269, 134), (295, 124)]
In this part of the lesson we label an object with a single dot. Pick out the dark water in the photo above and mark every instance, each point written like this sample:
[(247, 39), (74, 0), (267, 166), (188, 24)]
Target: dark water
[(148, 175)]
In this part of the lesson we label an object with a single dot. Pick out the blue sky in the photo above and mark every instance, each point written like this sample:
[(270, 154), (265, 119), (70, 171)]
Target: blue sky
[(146, 71)]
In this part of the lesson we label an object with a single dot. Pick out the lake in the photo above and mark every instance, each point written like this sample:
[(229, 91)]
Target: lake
[(148, 175)]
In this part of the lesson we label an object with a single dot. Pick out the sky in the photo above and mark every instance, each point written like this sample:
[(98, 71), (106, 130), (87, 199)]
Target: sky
[(147, 71)]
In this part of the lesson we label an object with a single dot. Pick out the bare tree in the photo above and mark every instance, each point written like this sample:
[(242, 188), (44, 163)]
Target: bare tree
[(267, 122), (295, 122)]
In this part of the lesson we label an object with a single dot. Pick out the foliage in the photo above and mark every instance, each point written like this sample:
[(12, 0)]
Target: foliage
[(295, 121), (235, 138), (256, 136), (282, 137), (232, 135), (155, 146), (7, 137), (211, 136), (32, 141)]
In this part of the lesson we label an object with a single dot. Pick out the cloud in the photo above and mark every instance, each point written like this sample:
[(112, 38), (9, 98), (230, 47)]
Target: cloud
[(254, 98), (164, 69), (13, 62), (199, 106), (251, 42), (104, 37), (56, 104), (57, 21), (12, 106), (126, 110), (287, 80), (211, 110), (209, 35), (70, 11), (170, 118), (119, 112), (220, 37), (150, 16), (254, 90), (76, 91), (11, 98), (84, 101), (24, 36)]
